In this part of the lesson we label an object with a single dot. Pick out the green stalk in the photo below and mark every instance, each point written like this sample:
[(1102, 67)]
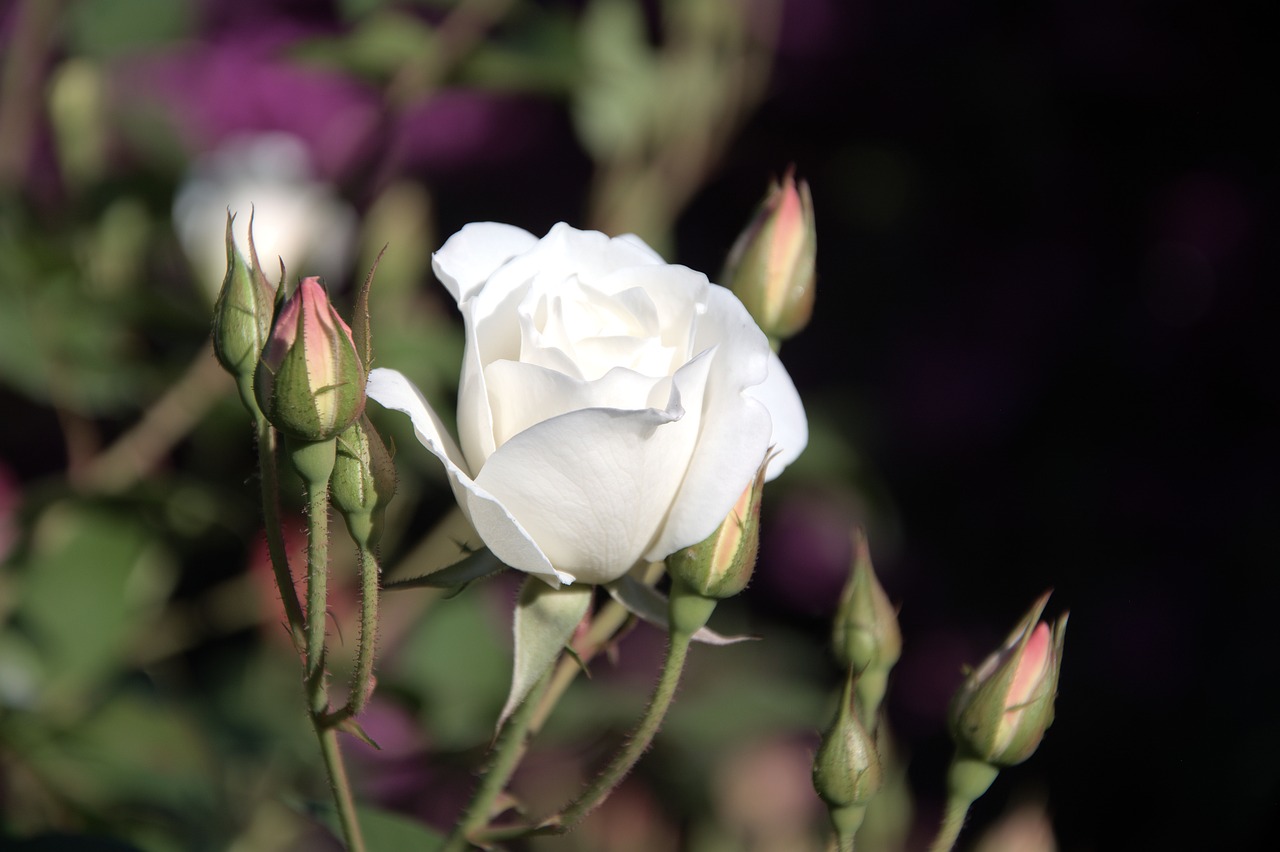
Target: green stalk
[(340, 785), (847, 821), (967, 780), (314, 463), (689, 612), (368, 631), (269, 474), (506, 756)]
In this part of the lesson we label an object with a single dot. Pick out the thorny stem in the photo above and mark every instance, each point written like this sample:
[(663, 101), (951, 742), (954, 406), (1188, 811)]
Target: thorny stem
[(688, 613), (339, 784), (638, 743), (360, 683), (268, 442), (314, 463)]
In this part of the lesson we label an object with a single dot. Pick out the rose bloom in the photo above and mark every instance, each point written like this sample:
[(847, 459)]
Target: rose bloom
[(612, 407)]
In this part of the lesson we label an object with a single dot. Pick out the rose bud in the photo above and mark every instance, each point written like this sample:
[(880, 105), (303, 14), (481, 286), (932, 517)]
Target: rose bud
[(721, 565), (363, 481), (1002, 710), (846, 769), (310, 382), (866, 638), (242, 313), (866, 634), (771, 266)]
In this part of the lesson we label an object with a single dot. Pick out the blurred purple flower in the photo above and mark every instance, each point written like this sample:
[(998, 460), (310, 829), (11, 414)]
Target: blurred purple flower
[(229, 88), (806, 551)]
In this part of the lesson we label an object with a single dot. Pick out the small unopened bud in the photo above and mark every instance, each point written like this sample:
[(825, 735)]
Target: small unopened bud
[(242, 314), (866, 634), (363, 481), (846, 769), (1002, 710), (771, 266), (866, 638), (310, 382), (721, 565)]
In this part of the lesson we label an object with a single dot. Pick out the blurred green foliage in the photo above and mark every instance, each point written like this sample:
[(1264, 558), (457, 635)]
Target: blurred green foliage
[(148, 693)]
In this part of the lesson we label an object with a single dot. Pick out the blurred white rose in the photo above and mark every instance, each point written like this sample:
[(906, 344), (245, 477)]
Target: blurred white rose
[(296, 218)]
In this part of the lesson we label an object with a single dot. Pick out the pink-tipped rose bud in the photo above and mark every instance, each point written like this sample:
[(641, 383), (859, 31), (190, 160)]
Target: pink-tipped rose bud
[(721, 565), (771, 266), (310, 382), (1004, 706)]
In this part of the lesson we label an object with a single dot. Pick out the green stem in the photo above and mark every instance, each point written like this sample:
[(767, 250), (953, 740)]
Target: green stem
[(847, 821), (870, 689), (604, 626), (506, 756), (340, 785), (270, 476), (314, 463), (638, 743), (967, 780), (368, 631), (689, 612), (537, 707)]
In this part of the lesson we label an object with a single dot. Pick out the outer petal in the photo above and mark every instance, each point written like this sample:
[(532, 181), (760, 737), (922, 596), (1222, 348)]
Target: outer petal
[(790, 426), (467, 259), (735, 426), (501, 532), (593, 486)]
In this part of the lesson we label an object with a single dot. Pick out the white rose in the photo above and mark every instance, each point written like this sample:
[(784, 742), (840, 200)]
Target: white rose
[(612, 407)]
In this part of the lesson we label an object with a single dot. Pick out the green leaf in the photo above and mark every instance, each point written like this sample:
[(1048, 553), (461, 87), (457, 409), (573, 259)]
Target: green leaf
[(133, 749), (544, 622), (93, 583), (480, 564)]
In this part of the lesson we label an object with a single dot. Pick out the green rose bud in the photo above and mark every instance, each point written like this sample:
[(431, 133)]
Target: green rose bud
[(866, 634), (363, 481), (846, 769), (242, 313), (1002, 710), (771, 266), (721, 565), (310, 381)]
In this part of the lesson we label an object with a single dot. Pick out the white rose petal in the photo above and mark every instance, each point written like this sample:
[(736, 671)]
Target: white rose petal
[(611, 407)]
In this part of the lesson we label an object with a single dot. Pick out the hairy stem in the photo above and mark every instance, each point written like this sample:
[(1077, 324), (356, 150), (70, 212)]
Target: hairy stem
[(268, 443), (640, 739), (506, 756)]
